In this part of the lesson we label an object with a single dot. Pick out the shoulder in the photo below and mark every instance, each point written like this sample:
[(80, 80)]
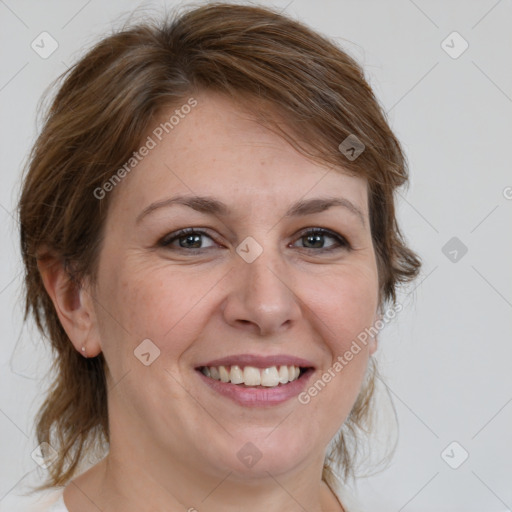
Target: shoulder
[(42, 501)]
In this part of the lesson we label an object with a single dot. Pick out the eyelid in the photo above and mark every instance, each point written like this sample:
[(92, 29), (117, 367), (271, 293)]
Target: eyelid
[(170, 237), (342, 241)]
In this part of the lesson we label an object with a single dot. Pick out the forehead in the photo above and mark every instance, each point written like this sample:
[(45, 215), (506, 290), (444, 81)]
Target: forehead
[(218, 149)]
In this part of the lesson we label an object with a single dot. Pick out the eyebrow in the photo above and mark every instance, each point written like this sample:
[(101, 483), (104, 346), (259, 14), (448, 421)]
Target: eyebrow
[(212, 206)]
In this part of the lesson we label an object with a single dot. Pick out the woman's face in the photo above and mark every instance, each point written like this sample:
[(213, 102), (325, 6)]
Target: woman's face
[(255, 288)]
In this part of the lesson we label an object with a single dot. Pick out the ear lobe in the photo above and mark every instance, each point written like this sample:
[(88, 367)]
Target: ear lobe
[(374, 342), (73, 304), (373, 345)]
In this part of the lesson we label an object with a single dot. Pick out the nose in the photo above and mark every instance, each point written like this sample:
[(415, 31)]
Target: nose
[(261, 298)]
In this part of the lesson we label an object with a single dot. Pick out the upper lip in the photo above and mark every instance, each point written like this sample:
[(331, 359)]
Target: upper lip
[(259, 361)]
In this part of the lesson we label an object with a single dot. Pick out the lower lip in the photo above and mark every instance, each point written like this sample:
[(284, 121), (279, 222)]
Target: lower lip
[(258, 396)]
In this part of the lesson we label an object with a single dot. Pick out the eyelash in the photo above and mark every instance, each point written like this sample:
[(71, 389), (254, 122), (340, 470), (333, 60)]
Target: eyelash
[(168, 239)]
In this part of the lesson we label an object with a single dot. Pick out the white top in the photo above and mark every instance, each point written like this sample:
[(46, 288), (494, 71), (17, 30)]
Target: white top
[(58, 506), (52, 501)]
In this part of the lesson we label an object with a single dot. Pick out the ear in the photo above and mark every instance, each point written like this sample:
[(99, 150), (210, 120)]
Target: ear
[(73, 303), (373, 345)]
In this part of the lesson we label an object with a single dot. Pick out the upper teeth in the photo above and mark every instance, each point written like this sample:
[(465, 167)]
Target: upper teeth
[(252, 376)]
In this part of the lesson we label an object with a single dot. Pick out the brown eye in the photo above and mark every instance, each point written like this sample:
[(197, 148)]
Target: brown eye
[(315, 239), (187, 239)]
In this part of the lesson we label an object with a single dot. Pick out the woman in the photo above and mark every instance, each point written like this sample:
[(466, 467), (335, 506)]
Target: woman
[(208, 229)]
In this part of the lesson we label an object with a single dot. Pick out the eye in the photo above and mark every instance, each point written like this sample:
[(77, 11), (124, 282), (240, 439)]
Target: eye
[(191, 238), (315, 239), (188, 238)]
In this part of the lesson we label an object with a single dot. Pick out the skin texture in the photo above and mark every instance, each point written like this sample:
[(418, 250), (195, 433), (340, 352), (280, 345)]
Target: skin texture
[(174, 441)]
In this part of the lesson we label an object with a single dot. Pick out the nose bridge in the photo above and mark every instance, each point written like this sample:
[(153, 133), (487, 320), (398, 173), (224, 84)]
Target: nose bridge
[(262, 273), (262, 293)]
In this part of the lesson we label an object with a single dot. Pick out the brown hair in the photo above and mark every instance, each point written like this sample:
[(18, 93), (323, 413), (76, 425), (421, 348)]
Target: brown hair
[(106, 104)]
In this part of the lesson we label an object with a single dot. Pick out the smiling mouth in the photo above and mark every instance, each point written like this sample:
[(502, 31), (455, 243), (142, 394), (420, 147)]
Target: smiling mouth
[(250, 376)]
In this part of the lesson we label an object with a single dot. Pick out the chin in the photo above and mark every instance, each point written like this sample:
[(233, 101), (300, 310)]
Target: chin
[(256, 456)]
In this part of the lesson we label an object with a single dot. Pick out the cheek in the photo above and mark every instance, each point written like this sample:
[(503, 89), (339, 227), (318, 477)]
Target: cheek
[(346, 304), (160, 303)]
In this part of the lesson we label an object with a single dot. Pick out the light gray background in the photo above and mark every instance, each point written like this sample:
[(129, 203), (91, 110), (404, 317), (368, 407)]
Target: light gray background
[(447, 357)]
